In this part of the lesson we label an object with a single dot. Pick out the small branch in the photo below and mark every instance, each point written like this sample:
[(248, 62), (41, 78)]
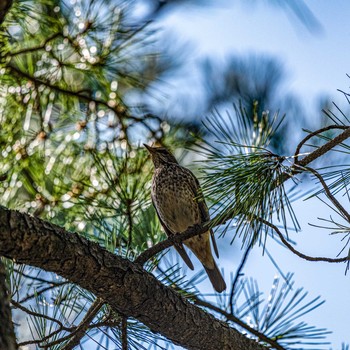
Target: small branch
[(62, 339), (118, 110), (238, 274), (301, 255), (37, 314), (330, 196), (35, 48), (325, 148), (124, 330), (237, 321), (312, 134), (41, 291), (7, 332), (177, 238), (84, 324)]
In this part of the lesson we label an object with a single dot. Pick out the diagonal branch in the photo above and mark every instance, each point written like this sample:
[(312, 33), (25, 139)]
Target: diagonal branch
[(325, 148), (127, 288), (312, 134), (84, 325), (236, 320)]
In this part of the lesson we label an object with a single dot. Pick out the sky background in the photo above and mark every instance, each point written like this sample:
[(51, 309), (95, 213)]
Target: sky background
[(316, 60)]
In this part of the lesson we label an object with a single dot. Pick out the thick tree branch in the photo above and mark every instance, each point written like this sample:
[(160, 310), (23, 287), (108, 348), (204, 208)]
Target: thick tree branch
[(7, 333), (126, 287), (236, 320)]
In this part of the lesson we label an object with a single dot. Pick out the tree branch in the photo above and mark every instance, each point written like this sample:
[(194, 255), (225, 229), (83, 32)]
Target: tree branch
[(124, 332), (7, 333), (329, 194), (219, 219), (238, 274), (127, 288), (325, 148), (312, 134), (84, 325), (296, 252)]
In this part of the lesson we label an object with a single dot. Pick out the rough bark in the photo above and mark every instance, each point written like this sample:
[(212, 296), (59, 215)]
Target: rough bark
[(7, 333), (125, 286)]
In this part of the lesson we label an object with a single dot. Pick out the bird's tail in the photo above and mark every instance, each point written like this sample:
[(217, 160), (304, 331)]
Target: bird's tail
[(215, 278)]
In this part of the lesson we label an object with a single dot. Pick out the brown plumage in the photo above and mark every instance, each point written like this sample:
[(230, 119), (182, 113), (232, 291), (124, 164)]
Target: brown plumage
[(179, 204)]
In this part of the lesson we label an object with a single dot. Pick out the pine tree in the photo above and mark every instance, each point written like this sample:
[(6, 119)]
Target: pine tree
[(83, 258)]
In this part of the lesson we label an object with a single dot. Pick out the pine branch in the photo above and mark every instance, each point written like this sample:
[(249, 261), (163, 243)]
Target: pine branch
[(330, 196), (324, 148), (127, 288), (312, 134), (124, 333), (7, 333), (296, 252), (299, 166), (61, 326), (84, 325), (238, 274)]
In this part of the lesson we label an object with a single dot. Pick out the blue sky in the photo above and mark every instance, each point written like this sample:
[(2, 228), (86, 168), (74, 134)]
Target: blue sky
[(316, 62)]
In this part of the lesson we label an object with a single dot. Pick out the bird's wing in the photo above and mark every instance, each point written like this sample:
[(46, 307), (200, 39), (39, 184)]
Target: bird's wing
[(203, 208), (178, 246)]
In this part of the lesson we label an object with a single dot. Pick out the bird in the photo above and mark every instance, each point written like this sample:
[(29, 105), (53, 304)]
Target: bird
[(179, 203)]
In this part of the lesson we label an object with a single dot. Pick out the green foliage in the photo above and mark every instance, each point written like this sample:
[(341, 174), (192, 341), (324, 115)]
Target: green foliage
[(70, 143), (281, 315), (250, 176)]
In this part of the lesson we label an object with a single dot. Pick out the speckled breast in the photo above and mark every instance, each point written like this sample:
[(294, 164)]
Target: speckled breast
[(174, 198)]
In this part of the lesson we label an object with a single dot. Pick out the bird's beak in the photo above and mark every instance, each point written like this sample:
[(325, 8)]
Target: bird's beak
[(149, 148)]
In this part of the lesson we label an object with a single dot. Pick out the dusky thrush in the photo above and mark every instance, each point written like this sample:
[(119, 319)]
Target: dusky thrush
[(179, 203)]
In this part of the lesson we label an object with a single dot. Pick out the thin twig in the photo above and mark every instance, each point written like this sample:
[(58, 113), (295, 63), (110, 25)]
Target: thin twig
[(325, 148), (124, 333), (296, 252), (312, 134), (36, 48), (119, 110), (177, 238), (330, 196), (238, 274), (84, 324), (36, 314)]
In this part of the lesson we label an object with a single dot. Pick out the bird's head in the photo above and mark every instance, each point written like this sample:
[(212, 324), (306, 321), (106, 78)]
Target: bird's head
[(160, 156)]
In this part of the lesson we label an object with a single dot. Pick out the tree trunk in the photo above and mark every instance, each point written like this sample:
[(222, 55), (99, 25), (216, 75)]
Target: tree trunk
[(124, 285)]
